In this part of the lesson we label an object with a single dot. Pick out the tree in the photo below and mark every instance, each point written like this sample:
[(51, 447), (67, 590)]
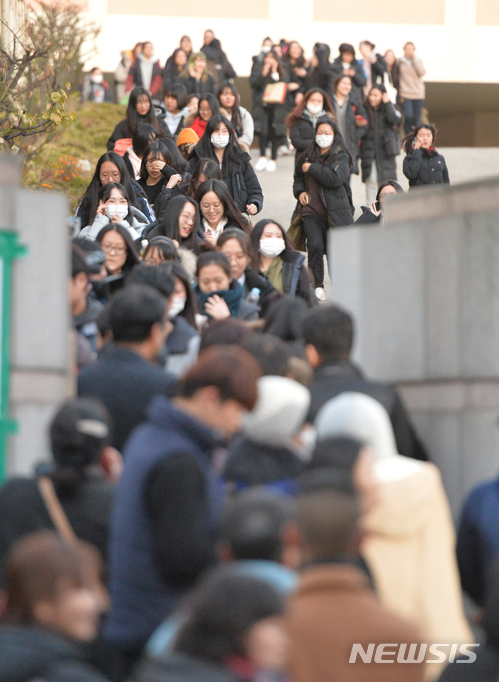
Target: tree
[(39, 64)]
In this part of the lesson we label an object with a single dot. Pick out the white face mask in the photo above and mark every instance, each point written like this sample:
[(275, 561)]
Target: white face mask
[(266, 48), (270, 248), (115, 209), (176, 307), (98, 78), (220, 141), (314, 109), (324, 141)]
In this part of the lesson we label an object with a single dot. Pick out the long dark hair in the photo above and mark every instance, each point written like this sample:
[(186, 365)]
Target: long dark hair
[(235, 116), (133, 117), (406, 142), (207, 167), (234, 156), (297, 113), (92, 192), (172, 68), (142, 137), (223, 610), (280, 68), (105, 194), (300, 62), (169, 223), (241, 237), (231, 211), (165, 245), (313, 151), (190, 310), (256, 235), (132, 257), (212, 101), (214, 258), (169, 151)]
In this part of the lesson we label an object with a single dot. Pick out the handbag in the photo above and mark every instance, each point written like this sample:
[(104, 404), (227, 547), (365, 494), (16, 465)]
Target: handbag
[(295, 230), (275, 93)]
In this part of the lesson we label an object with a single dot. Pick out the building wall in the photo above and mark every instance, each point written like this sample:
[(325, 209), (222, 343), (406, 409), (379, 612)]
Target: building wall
[(456, 38)]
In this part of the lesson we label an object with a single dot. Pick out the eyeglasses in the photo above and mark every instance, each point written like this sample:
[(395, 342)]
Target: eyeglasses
[(149, 162), (109, 248), (115, 177), (205, 111)]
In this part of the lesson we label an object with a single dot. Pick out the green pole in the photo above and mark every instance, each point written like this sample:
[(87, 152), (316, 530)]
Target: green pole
[(10, 249)]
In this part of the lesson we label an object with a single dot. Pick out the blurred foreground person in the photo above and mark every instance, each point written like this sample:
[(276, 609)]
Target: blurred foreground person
[(55, 598), (333, 607), (410, 538), (232, 633), (329, 333), (169, 499), (80, 481)]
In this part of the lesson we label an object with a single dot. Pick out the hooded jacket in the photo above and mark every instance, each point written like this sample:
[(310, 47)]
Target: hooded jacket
[(145, 73), (32, 653), (215, 54), (258, 84)]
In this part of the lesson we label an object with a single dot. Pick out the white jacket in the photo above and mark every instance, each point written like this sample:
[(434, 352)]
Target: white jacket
[(139, 221)]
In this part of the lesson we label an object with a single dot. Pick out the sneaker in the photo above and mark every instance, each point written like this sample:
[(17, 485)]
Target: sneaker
[(285, 150), (319, 292), (261, 164), (271, 166)]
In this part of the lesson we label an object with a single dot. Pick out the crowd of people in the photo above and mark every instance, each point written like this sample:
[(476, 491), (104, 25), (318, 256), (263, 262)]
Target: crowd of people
[(230, 498)]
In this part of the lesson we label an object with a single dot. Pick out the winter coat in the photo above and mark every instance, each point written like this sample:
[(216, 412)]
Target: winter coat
[(182, 347), (302, 134), (30, 653), (86, 322), (247, 133), (135, 227), (354, 133), (358, 81), (410, 78), (268, 294), (122, 131), (171, 76), (95, 92), (201, 87), (178, 667), (333, 378), (367, 217), (242, 181), (135, 78), (215, 54), (380, 144), (293, 77), (332, 174), (295, 278), (258, 84), (167, 194), (174, 123), (141, 204), (425, 167)]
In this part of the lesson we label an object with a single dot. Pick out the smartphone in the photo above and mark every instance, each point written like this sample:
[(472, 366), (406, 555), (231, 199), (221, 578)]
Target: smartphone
[(377, 206)]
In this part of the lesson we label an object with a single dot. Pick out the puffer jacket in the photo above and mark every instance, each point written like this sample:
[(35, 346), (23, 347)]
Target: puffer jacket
[(332, 173), (380, 144), (302, 133), (358, 81), (425, 167), (354, 132), (258, 84)]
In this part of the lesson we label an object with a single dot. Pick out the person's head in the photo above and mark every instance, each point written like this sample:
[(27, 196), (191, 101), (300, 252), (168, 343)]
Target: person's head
[(376, 95), (185, 141), (273, 61), (137, 316), (175, 97), (409, 50), (80, 435), (159, 278), (347, 53), (78, 282), (284, 318), (208, 36), (295, 51), (327, 516), (236, 245), (270, 352), (227, 332), (390, 58), (143, 136), (205, 169), (267, 44), (208, 106), (328, 334), (179, 59), (140, 102), (215, 203), (269, 239), (186, 44), (94, 258), (320, 57), (342, 85), (366, 48), (254, 527), (325, 133), (96, 75), (213, 272), (220, 134), (159, 250), (193, 103), (228, 96), (314, 101), (424, 133), (235, 616), (147, 49), (352, 457), (386, 188), (137, 50), (197, 61), (156, 151), (183, 300), (119, 248), (361, 417), (55, 585), (280, 412), (181, 221), (219, 387), (109, 168), (116, 200)]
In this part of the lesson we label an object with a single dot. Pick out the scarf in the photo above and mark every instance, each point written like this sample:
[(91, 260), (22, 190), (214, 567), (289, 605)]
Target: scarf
[(313, 119), (219, 228), (232, 296)]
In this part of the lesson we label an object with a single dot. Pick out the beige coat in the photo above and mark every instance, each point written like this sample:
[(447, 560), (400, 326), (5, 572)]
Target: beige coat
[(411, 84)]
